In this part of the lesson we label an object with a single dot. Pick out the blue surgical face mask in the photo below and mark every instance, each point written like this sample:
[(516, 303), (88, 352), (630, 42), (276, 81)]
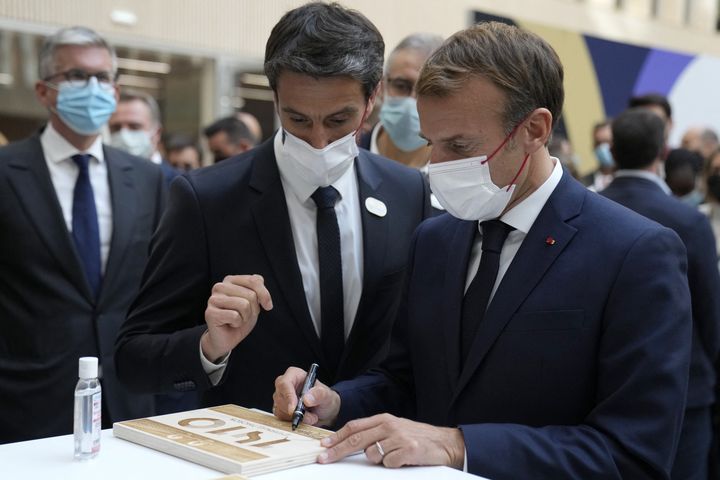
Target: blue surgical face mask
[(399, 117), (85, 109), (603, 155)]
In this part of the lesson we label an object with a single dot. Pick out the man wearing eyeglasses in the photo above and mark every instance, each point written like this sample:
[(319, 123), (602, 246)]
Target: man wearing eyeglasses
[(397, 135), (76, 218)]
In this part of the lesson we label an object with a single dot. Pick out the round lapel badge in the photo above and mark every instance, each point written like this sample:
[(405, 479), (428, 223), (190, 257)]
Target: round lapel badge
[(375, 206)]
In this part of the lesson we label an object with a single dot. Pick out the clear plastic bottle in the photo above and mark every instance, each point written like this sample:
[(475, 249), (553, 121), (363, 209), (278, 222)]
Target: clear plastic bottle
[(88, 410)]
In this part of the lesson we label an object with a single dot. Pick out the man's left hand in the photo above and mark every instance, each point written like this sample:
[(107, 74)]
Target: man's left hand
[(401, 442)]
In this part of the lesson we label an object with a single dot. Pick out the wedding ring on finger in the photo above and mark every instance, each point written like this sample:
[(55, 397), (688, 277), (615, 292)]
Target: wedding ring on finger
[(380, 449)]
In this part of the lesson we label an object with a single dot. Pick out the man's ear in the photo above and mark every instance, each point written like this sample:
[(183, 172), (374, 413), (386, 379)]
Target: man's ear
[(43, 92), (538, 127), (157, 136), (373, 98)]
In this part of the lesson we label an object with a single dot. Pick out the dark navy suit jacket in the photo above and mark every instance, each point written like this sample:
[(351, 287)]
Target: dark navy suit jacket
[(579, 368), (48, 315), (230, 219), (648, 199)]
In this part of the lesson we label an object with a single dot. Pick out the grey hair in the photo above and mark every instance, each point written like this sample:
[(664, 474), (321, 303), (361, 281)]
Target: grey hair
[(81, 36), (131, 95), (422, 43)]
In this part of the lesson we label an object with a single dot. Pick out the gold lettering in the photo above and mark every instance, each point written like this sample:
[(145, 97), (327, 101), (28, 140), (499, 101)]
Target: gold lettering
[(252, 437), (267, 444), (188, 422), (225, 430)]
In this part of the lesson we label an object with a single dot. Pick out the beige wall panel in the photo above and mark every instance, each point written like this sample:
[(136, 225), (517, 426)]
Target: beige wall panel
[(240, 27)]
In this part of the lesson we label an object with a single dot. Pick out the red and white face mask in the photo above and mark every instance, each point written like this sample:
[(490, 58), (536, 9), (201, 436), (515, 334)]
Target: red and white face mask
[(466, 190)]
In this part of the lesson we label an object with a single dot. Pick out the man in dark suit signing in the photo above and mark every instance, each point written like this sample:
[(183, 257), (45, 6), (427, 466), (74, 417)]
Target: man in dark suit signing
[(291, 253), (76, 218), (544, 331), (638, 141)]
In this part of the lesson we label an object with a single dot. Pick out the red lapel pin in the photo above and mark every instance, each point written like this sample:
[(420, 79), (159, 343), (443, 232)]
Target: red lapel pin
[(549, 241)]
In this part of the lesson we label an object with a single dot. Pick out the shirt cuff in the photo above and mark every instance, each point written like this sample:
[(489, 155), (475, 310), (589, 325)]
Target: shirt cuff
[(214, 370), (465, 461)]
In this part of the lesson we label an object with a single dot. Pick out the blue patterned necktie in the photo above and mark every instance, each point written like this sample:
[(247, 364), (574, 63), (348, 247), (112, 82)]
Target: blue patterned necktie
[(331, 282), (85, 230)]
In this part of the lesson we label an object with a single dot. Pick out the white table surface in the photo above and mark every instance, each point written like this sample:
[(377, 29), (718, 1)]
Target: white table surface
[(52, 458)]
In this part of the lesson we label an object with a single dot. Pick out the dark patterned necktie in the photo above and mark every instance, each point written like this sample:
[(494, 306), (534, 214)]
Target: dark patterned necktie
[(331, 282), (475, 302)]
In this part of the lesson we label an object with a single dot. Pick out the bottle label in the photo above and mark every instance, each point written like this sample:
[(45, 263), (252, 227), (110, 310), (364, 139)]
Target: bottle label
[(96, 421)]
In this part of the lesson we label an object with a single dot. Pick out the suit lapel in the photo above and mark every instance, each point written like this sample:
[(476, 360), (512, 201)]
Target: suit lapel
[(30, 179), (124, 199), (527, 269), (273, 223), (460, 247), (375, 237)]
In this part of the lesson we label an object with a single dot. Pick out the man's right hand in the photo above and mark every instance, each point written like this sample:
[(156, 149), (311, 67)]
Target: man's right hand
[(322, 404), (232, 313)]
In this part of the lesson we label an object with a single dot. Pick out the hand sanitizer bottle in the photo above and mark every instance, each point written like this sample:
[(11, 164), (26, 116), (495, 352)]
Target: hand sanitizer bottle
[(88, 410)]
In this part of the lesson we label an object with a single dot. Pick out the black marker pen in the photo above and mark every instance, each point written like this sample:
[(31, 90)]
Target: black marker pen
[(299, 412)]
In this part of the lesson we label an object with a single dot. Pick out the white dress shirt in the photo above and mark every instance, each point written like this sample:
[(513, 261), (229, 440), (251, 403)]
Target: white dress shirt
[(64, 173), (521, 217), (653, 177), (303, 215)]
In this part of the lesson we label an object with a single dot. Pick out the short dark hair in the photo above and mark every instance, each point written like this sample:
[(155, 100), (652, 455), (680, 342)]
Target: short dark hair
[(651, 100), (180, 141), (518, 62), (235, 129), (678, 158), (326, 40), (638, 138)]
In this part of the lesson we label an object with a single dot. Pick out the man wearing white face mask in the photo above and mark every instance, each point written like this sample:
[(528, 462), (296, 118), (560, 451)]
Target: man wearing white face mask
[(76, 218), (544, 331), (291, 253), (135, 127)]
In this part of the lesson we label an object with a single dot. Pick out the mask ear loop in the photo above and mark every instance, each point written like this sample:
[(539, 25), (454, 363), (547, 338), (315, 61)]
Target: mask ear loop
[(504, 142), (527, 155)]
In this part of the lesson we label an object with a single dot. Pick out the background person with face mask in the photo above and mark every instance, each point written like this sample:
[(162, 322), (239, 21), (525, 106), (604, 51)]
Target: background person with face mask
[(76, 218), (603, 175), (291, 253), (135, 127), (544, 331), (397, 135)]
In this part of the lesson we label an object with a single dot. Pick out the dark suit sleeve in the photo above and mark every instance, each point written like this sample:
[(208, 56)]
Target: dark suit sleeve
[(704, 280), (643, 362), (157, 348), (388, 388)]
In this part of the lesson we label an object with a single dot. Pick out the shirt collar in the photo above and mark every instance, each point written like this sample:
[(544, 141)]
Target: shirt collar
[(57, 149), (647, 176), (296, 185), (523, 215)]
